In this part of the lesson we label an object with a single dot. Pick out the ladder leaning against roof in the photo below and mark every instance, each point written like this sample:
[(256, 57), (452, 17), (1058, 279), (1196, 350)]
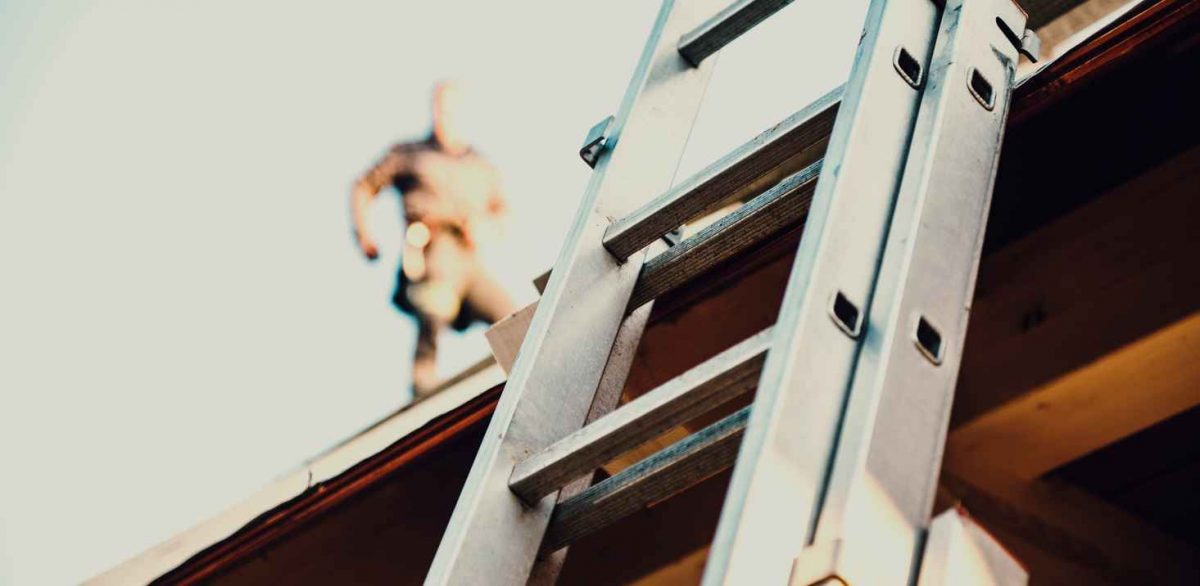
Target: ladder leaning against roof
[(837, 458)]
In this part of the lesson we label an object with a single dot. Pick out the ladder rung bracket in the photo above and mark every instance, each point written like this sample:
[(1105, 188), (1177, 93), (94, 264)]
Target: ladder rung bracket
[(761, 218), (670, 471), (729, 24), (717, 380), (785, 148)]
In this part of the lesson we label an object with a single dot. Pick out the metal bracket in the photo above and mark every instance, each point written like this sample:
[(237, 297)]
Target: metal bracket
[(596, 141), (1028, 44), (674, 237), (1031, 45)]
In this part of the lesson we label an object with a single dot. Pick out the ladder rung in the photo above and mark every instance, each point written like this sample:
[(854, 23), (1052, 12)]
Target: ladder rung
[(727, 25), (781, 207), (713, 382), (672, 470), (785, 148)]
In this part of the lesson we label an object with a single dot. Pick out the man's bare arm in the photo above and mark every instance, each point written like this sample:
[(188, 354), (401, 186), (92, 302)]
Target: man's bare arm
[(366, 189), (360, 199)]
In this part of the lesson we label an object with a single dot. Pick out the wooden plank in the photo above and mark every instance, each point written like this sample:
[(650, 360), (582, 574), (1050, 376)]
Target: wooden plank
[(687, 570), (781, 150), (505, 336), (767, 215), (1129, 390), (729, 24), (727, 375), (1084, 332), (1080, 288), (699, 456)]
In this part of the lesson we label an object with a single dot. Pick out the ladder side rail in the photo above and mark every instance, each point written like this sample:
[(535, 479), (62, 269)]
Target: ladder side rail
[(607, 397), (890, 447), (781, 472), (492, 538)]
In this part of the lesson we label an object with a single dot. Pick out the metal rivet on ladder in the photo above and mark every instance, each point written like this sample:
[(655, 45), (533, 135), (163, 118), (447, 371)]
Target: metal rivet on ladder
[(907, 66), (845, 314), (928, 340)]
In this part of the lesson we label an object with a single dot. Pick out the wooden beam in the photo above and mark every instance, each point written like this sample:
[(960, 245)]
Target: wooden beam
[(687, 570), (506, 335), (1127, 391), (1081, 290)]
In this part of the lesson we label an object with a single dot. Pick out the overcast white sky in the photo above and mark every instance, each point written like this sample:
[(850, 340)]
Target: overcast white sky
[(183, 315)]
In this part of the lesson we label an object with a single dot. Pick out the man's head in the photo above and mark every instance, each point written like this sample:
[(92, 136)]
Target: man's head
[(447, 116)]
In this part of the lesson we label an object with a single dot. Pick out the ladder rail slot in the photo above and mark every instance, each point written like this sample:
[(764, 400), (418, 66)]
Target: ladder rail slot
[(734, 21), (715, 381), (767, 215), (791, 145), (663, 474)]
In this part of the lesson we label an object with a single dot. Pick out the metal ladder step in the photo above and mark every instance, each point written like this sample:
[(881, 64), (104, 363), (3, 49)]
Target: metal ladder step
[(717, 380), (768, 214), (667, 472), (793, 144), (725, 26), (781, 206)]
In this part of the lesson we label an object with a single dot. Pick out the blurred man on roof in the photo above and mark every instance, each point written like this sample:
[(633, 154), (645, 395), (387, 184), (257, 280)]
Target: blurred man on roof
[(452, 206)]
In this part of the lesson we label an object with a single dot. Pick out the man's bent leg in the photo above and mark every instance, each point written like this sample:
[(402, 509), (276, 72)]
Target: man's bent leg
[(486, 297), (424, 369)]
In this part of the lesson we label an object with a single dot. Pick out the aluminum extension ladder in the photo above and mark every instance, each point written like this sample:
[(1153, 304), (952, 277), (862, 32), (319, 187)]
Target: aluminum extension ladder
[(838, 457)]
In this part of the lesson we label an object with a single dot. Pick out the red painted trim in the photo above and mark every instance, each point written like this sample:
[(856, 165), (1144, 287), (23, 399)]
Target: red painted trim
[(293, 515), (1135, 32)]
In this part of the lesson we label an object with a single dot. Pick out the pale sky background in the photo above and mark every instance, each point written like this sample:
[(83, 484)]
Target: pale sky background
[(183, 313)]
